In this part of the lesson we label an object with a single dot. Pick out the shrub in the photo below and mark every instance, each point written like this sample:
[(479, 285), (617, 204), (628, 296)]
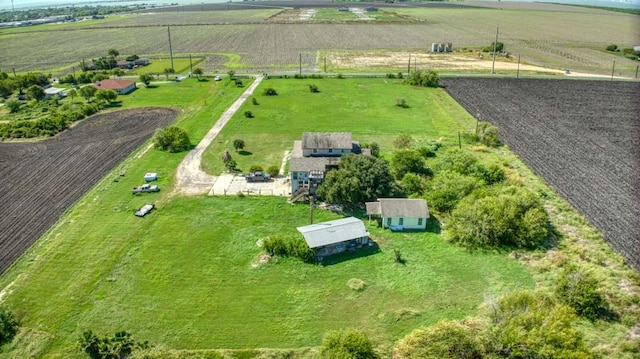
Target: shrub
[(400, 102), (121, 345), (581, 291), (313, 88), (391, 76), (238, 144), (346, 345), (254, 101), (273, 170), (422, 78), (612, 48), (238, 82), (13, 105), (499, 46), (403, 141), (231, 165), (269, 91), (172, 139), (248, 114), (8, 326), (340, 76), (445, 339), (255, 168), (288, 246)]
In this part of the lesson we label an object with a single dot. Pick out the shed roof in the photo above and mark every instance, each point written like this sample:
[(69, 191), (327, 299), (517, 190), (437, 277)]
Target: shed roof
[(399, 207), (112, 84), (327, 140), (299, 163), (336, 231)]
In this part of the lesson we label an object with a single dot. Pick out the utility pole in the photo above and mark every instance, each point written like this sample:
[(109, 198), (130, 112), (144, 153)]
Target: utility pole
[(495, 45), (613, 69), (325, 65), (518, 71), (190, 64), (301, 64), (637, 70), (170, 50), (13, 9), (409, 66)]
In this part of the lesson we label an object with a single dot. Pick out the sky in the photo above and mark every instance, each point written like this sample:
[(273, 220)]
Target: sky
[(24, 4)]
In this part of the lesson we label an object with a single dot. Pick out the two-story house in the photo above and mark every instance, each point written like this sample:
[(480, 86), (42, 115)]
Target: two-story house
[(314, 155)]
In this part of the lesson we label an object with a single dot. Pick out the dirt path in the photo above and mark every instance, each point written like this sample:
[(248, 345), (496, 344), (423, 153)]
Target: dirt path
[(190, 179)]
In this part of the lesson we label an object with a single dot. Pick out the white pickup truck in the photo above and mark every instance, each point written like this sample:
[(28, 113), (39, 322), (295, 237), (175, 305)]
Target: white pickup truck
[(145, 188)]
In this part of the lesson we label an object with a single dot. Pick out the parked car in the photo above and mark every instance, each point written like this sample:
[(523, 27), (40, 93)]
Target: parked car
[(144, 210), (258, 177), (145, 188)]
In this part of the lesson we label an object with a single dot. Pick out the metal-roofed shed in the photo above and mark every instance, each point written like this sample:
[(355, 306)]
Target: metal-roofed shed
[(335, 236)]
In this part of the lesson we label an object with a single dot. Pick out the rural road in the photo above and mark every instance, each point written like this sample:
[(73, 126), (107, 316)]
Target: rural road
[(190, 179)]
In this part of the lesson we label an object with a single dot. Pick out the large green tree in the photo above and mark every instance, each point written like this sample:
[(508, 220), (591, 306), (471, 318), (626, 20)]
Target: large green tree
[(358, 179), (88, 91), (35, 92), (409, 161), (447, 188), (146, 79), (106, 95), (499, 217), (172, 139)]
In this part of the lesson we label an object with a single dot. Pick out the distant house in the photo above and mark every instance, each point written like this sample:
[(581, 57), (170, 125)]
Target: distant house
[(340, 235), (121, 87), (371, 9), (314, 155), (143, 61), (400, 213)]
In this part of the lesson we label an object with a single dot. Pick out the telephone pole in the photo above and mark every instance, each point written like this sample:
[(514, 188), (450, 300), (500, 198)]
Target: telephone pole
[(495, 45), (170, 50)]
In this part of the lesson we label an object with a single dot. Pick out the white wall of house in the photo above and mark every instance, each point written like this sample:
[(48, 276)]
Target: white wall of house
[(406, 223)]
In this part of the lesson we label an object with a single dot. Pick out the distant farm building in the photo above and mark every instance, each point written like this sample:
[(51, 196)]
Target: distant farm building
[(317, 153), (340, 235), (441, 47), (54, 92), (121, 87), (399, 214)]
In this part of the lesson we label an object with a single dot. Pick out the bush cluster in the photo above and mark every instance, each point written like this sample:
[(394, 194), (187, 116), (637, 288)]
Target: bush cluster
[(288, 246), (499, 217), (8, 326), (58, 120), (121, 345), (347, 344), (269, 91), (172, 139), (422, 78), (581, 291)]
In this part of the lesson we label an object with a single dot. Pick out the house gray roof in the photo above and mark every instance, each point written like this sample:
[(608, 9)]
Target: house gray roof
[(339, 230), (399, 208), (299, 163), (323, 140)]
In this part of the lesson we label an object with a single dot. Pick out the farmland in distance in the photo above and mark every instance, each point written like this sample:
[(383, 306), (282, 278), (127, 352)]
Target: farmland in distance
[(581, 137), (251, 41)]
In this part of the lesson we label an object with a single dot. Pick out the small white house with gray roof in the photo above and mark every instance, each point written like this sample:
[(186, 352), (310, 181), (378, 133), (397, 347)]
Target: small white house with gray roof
[(337, 236), (314, 155), (399, 214)]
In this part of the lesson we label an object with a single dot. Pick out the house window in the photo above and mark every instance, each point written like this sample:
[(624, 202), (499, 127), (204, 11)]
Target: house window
[(401, 221), (388, 222), (330, 150), (315, 150), (419, 221)]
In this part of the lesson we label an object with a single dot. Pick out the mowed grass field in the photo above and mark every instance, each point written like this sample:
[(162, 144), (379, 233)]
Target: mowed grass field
[(365, 107), (553, 36), (188, 275)]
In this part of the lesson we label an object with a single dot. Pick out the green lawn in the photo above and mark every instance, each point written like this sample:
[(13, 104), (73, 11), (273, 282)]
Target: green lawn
[(185, 277), (366, 107)]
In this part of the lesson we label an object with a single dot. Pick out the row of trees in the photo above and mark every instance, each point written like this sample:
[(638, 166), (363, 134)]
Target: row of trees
[(10, 85)]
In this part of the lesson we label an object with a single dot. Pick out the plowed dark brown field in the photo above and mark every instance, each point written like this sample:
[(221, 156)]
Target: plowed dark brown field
[(39, 181), (581, 137)]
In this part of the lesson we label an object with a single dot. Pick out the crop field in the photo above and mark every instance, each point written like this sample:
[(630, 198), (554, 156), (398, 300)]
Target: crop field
[(67, 166), (581, 137), (563, 37)]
